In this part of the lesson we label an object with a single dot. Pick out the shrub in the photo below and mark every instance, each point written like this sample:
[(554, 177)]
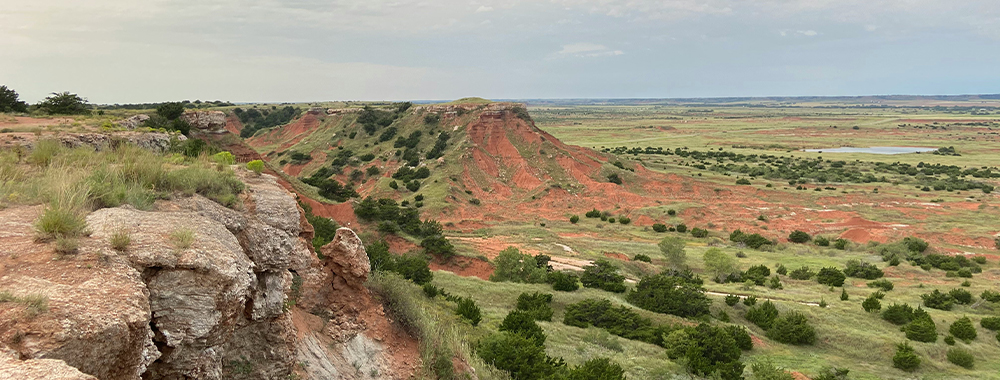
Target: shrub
[(614, 178), (621, 321), (765, 370), (921, 328), (643, 258), (224, 158), (599, 368), (431, 291), (830, 276), (64, 103), (938, 300), (414, 268), (963, 329), (732, 299), (536, 304), (961, 296), (883, 284), (803, 273), (798, 237), (593, 214), (741, 336), (624, 220), (871, 304), (841, 244), (757, 273), (961, 358), (563, 282), (719, 264), (861, 269), (602, 338), (256, 166), (659, 227), (898, 314), (513, 266), (517, 355), (673, 249), (713, 352), (905, 358), (603, 275), (990, 323), (763, 315), (66, 245), (670, 295), (682, 228), (990, 296), (793, 328), (821, 241), (698, 232), (120, 239), (467, 309), (574, 219), (182, 238), (843, 295), (949, 340), (755, 241), (750, 300), (523, 323), (780, 269)]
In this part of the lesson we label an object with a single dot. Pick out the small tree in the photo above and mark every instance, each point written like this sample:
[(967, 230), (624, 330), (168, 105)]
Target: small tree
[(963, 329), (613, 178), (922, 328), (793, 328), (563, 282), (513, 266), (9, 101), (574, 219), (798, 237), (843, 295), (673, 249), (719, 264), (603, 275), (898, 314), (468, 309), (599, 368), (682, 228), (763, 315), (659, 227), (961, 358), (732, 299), (938, 300), (765, 370), (170, 111), (536, 304), (523, 323), (906, 358), (831, 276), (256, 166), (872, 304), (64, 103)]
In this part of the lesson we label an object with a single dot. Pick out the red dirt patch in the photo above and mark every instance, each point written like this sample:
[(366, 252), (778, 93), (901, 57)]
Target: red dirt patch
[(465, 267), (616, 255)]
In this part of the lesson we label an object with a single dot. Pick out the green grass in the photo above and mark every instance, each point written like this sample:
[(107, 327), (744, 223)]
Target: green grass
[(34, 304), (182, 238), (120, 239)]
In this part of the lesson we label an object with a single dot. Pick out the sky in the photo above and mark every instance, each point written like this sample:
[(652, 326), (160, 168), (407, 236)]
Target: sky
[(130, 51)]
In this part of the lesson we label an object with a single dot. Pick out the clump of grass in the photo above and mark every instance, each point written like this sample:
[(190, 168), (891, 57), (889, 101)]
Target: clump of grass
[(182, 238), (120, 239), (44, 151), (34, 304), (64, 215), (67, 245)]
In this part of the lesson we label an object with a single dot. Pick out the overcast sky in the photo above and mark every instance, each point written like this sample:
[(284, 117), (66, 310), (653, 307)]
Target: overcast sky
[(119, 51)]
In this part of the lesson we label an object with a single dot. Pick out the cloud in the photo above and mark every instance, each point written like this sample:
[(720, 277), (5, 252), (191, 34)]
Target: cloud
[(584, 49), (483, 8), (807, 33)]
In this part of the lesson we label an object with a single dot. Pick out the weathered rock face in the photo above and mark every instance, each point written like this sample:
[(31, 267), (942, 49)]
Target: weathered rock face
[(133, 122), (220, 307), (206, 121)]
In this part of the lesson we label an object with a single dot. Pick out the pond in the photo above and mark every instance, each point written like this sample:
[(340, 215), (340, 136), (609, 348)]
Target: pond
[(874, 150)]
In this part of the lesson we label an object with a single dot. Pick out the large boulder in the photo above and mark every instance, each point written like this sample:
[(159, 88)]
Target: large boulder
[(49, 369), (206, 121)]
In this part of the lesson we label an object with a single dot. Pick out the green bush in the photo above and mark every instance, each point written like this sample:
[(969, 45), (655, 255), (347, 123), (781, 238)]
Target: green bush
[(921, 328), (431, 291), (523, 323), (990, 323), (597, 369), (741, 336), (536, 304), (757, 273), (961, 296), (713, 352), (831, 276), (256, 166), (938, 300), (64, 103), (763, 315), (990, 296), (670, 295), (659, 227), (821, 241), (698, 232), (898, 314), (682, 228), (963, 329), (792, 328), (563, 282), (861, 269), (765, 370), (603, 275), (513, 266), (732, 299), (871, 304), (414, 268), (799, 237), (620, 321), (517, 355), (574, 219), (803, 273), (883, 284), (905, 358), (468, 309), (643, 258), (961, 358)]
